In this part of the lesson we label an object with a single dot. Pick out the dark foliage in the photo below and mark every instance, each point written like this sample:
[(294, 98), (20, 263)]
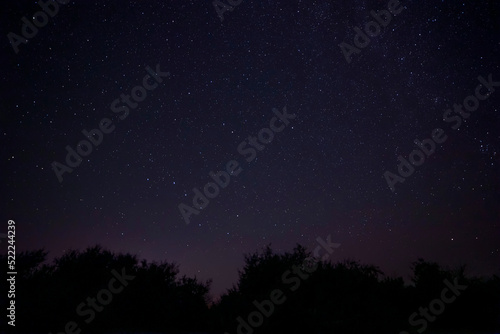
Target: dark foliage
[(294, 294)]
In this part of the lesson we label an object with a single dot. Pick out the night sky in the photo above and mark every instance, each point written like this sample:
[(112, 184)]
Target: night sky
[(321, 174)]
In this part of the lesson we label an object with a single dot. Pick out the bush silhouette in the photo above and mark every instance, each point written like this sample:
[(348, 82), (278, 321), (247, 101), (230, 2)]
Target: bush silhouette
[(342, 297)]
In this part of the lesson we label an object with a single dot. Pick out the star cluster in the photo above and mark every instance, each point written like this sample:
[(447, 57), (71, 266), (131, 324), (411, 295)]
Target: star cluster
[(322, 175)]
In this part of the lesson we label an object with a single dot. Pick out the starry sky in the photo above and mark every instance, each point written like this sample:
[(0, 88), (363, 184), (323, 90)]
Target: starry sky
[(323, 174)]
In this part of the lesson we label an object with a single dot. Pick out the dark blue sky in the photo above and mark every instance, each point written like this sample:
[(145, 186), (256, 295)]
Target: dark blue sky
[(323, 174)]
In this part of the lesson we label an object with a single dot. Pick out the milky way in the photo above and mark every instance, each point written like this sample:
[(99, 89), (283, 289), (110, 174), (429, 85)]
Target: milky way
[(321, 175)]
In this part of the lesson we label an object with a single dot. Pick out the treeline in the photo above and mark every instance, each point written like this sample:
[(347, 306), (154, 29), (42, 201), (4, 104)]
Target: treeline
[(97, 291)]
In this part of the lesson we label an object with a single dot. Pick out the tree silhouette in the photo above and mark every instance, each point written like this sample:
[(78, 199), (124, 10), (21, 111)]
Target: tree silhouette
[(291, 292)]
